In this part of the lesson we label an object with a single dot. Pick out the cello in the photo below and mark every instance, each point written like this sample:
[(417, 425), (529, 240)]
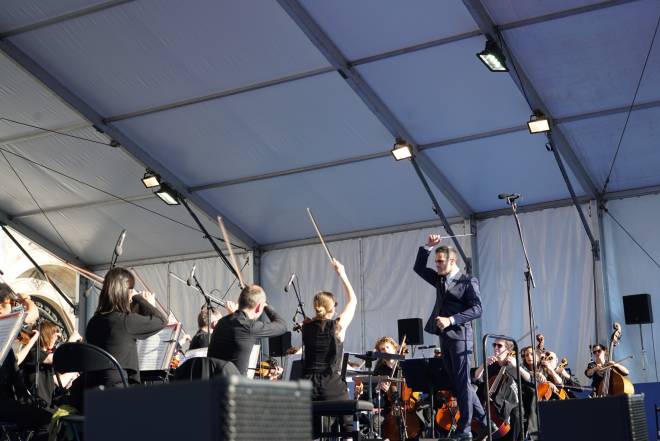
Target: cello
[(614, 382)]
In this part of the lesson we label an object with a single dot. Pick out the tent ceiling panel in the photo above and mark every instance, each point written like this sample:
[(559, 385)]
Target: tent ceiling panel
[(508, 11), (299, 123), (364, 28), (445, 92), (591, 62), (131, 56), (19, 13), (25, 100), (92, 232), (638, 162), (102, 166), (512, 163), (369, 194)]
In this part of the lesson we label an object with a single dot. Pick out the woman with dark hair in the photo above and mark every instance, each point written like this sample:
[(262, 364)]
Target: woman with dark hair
[(323, 340), (596, 369), (122, 317)]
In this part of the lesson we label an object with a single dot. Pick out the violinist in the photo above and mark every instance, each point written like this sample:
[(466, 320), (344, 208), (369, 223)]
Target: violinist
[(505, 398), (596, 369)]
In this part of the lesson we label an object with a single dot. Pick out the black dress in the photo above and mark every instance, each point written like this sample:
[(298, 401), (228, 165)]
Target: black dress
[(322, 364), (46, 374)]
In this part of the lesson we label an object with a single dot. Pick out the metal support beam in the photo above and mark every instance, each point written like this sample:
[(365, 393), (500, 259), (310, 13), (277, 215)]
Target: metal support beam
[(323, 43), (42, 241), (128, 145), (485, 23), (600, 285)]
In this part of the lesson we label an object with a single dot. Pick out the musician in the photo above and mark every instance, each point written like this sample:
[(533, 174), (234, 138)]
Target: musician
[(122, 317), (201, 338), (383, 367), (235, 335), (323, 341), (457, 304), (596, 369), (505, 398)]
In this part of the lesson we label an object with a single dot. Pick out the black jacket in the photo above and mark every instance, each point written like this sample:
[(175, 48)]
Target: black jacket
[(461, 300)]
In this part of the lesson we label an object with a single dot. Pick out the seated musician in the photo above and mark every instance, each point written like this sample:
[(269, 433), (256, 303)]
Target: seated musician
[(505, 398), (548, 364), (201, 338), (122, 317), (596, 369)]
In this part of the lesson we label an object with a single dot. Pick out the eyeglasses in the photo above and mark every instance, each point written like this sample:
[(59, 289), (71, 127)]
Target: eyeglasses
[(597, 351), (498, 345)]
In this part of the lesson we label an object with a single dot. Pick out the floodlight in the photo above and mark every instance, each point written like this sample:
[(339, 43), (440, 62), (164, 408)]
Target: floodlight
[(402, 150), (493, 57), (167, 194), (538, 123), (151, 179)]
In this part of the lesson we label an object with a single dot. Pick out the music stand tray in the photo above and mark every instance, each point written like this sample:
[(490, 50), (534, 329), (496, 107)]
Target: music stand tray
[(422, 374)]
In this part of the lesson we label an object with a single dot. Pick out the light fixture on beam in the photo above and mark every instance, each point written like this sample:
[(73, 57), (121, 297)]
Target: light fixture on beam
[(167, 194), (402, 150), (493, 57), (150, 179), (538, 123)]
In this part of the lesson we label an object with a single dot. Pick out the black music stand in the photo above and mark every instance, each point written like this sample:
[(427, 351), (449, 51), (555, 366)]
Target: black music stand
[(426, 374)]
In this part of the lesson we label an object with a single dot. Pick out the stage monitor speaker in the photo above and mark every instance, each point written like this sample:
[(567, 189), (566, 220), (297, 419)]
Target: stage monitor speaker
[(620, 418), (220, 409), (637, 309), (277, 346), (413, 330)]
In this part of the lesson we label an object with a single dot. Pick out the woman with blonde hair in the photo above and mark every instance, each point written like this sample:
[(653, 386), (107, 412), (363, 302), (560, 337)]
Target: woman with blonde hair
[(323, 340)]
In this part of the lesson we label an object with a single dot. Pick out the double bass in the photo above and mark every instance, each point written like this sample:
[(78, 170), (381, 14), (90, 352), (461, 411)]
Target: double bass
[(614, 382)]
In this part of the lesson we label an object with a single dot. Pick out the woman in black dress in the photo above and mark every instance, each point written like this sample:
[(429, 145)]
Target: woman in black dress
[(323, 340), (122, 317)]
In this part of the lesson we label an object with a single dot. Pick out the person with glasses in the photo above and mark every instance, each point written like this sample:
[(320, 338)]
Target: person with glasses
[(323, 342), (457, 304), (596, 369), (505, 397)]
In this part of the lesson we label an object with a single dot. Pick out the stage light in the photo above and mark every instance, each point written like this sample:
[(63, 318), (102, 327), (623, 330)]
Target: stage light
[(538, 123), (151, 179), (167, 194), (493, 57), (401, 150)]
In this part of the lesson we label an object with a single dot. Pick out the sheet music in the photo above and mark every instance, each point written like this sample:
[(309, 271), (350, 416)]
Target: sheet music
[(254, 359), (195, 353), (155, 352), (10, 324)]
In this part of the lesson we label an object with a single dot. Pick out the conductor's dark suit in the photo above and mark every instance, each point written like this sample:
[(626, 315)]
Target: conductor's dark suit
[(459, 299)]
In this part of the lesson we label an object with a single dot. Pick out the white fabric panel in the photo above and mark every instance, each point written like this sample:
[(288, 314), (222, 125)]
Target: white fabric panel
[(315, 274), (630, 271), (183, 301), (392, 290), (563, 300)]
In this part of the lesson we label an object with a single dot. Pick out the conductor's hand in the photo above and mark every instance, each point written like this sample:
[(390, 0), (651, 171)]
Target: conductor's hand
[(339, 268), (433, 240), (442, 322)]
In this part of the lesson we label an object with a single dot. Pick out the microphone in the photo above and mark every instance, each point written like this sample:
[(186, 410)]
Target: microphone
[(191, 278), (286, 288), (119, 248), (508, 196)]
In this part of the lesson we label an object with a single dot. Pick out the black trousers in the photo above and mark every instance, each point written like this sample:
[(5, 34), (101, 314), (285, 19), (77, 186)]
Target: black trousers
[(456, 356)]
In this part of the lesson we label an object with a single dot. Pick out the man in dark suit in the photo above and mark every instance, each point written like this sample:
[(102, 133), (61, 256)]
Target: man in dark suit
[(457, 303)]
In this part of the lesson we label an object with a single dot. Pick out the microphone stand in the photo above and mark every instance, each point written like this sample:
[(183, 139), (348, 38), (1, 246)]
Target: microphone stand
[(299, 310), (207, 301), (529, 284)]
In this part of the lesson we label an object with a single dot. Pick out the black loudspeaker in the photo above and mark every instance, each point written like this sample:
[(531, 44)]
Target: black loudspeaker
[(413, 330), (637, 309), (221, 409), (277, 346), (620, 418)]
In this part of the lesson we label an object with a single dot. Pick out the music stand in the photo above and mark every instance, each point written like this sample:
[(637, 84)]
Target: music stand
[(426, 374)]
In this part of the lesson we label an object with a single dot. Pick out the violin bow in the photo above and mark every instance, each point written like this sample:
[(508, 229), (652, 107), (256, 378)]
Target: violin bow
[(318, 233), (234, 263)]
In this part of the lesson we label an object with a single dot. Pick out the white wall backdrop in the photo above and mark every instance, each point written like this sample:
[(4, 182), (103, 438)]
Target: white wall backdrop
[(563, 300), (631, 271)]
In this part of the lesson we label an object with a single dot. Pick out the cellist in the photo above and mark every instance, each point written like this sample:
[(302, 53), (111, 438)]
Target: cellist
[(596, 369)]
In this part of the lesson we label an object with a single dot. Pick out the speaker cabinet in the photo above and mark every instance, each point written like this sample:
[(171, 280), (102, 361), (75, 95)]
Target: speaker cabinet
[(221, 409), (620, 418), (637, 309), (277, 346), (413, 330)]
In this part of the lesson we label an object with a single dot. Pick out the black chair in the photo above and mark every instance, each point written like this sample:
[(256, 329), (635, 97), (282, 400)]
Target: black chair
[(337, 408), (83, 358), (203, 368)]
